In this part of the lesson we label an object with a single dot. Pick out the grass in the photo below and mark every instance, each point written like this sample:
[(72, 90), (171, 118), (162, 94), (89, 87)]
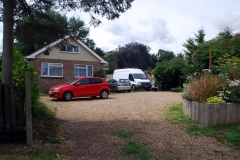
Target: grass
[(44, 133), (41, 110), (122, 133), (133, 148), (227, 133), (143, 153), (48, 153)]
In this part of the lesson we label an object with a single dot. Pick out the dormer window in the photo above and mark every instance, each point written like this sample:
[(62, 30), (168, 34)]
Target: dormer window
[(69, 48)]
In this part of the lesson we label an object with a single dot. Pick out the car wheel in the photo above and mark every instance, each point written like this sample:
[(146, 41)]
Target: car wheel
[(104, 94), (133, 88), (67, 96), (114, 89)]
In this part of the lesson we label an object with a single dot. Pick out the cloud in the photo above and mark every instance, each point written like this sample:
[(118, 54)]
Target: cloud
[(223, 20), (148, 31)]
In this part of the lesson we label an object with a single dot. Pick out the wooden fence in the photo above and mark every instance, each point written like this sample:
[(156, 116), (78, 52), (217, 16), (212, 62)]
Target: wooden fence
[(12, 115), (212, 114), (15, 113)]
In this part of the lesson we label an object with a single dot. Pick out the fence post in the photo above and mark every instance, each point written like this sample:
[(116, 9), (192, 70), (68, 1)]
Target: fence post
[(13, 118), (21, 111), (28, 109), (1, 108), (6, 107)]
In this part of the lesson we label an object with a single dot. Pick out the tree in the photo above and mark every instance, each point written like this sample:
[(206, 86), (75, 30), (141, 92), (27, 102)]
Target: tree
[(12, 11), (154, 60), (176, 66), (192, 46), (99, 51), (33, 35), (164, 55), (110, 58), (169, 73), (235, 43), (7, 56), (222, 45), (20, 67), (45, 31), (133, 55)]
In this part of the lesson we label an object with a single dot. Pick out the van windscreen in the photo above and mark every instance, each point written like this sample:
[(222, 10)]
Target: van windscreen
[(139, 76)]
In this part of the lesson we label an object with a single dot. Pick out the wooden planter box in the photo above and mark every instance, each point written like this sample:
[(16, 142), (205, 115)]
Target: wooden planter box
[(212, 114)]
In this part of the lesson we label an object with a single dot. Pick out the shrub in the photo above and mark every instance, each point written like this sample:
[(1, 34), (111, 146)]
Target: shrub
[(20, 67), (229, 88), (177, 89), (201, 88), (215, 99), (40, 110), (230, 91), (100, 73)]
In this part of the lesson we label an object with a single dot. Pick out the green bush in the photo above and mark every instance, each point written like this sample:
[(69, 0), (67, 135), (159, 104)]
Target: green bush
[(40, 110), (100, 73), (177, 89), (215, 99), (20, 68)]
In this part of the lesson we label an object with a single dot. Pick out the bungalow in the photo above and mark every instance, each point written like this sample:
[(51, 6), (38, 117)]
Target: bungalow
[(60, 62)]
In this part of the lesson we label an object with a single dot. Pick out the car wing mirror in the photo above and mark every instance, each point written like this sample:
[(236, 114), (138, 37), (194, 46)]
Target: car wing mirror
[(77, 84)]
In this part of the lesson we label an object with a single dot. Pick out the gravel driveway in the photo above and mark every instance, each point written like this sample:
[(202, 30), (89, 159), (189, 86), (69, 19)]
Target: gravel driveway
[(88, 125)]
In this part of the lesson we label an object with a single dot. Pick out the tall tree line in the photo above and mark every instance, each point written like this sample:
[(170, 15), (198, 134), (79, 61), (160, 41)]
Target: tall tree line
[(12, 11)]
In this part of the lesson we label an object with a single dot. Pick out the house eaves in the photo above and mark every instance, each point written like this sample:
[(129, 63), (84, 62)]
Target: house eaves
[(33, 55)]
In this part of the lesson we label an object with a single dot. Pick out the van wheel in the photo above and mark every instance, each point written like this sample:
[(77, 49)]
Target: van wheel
[(67, 96), (104, 94), (133, 88), (114, 89)]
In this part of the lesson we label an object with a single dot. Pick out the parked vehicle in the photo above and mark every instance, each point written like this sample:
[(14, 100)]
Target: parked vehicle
[(154, 86), (136, 76), (119, 85), (81, 87)]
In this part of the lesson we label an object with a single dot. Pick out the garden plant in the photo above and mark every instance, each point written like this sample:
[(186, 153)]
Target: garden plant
[(225, 85)]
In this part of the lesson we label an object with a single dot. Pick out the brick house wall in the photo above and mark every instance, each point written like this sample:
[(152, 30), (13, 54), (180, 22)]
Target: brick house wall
[(68, 71)]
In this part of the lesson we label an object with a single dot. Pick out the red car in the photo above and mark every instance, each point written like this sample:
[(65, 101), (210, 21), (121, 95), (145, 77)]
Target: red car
[(81, 87)]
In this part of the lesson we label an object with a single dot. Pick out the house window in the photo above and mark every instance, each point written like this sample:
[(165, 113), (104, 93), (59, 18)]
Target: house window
[(83, 70), (69, 48), (52, 69)]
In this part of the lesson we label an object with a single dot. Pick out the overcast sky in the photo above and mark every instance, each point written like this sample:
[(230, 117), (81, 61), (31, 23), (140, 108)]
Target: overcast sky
[(162, 24)]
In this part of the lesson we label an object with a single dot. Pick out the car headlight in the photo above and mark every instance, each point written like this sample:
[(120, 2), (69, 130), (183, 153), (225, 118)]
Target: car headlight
[(57, 89)]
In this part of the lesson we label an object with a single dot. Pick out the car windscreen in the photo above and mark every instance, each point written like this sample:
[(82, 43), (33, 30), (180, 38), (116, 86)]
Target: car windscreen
[(139, 76), (71, 81), (124, 81)]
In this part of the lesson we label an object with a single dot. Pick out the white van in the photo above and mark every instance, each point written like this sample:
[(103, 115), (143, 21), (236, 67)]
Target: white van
[(136, 76)]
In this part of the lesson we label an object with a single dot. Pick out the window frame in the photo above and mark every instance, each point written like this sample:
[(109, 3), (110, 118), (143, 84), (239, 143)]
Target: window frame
[(67, 49), (86, 68), (49, 66)]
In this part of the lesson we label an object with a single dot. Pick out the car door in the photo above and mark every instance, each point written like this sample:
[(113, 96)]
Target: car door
[(81, 88), (111, 84), (95, 86)]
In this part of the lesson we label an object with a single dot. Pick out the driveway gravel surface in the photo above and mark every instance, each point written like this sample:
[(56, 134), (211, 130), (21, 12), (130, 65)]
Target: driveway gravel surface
[(88, 125)]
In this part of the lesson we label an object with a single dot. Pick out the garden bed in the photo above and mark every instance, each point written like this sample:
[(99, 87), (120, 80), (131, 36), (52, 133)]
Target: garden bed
[(212, 114)]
